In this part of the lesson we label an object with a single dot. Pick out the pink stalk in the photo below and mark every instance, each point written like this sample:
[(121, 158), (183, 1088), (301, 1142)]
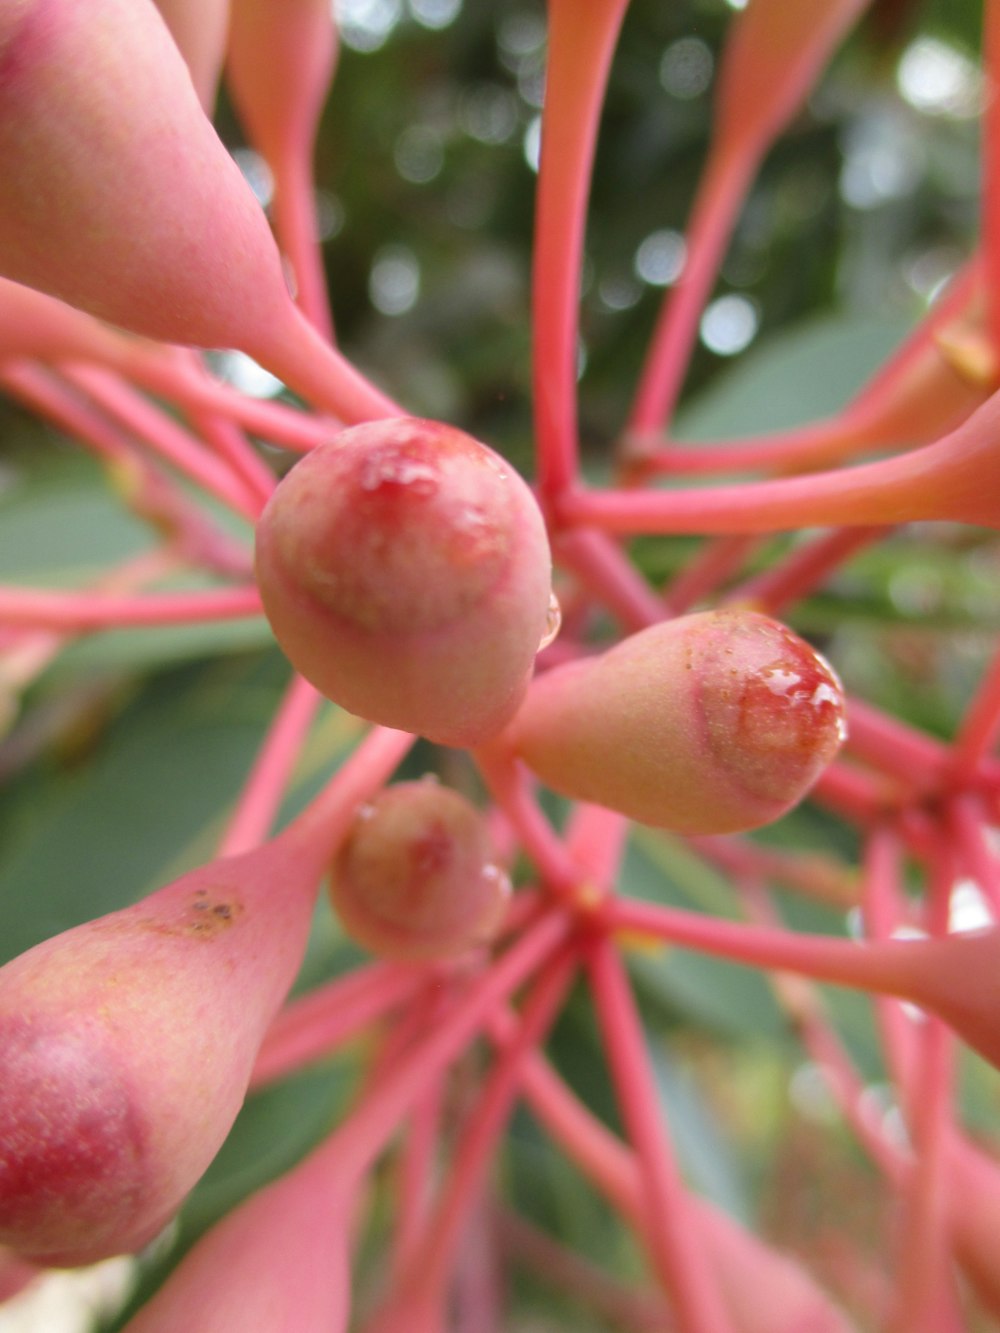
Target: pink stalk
[(904, 752), (721, 192), (280, 66), (814, 874), (510, 786), (581, 45), (980, 726), (956, 478), (272, 770), (318, 1023), (420, 1300), (716, 561), (969, 824), (805, 567), (990, 159), (925, 1298), (955, 978), (596, 839), (772, 57), (416, 1170), (366, 1132), (765, 1292), (857, 795), (42, 327), (82, 611), (148, 492), (675, 1246), (30, 651), (170, 440), (640, 1311), (923, 390), (883, 908), (610, 576)]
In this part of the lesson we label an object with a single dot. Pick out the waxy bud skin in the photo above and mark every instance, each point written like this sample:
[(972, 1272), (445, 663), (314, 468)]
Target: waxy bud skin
[(710, 723), (126, 1046), (406, 573), (415, 879)]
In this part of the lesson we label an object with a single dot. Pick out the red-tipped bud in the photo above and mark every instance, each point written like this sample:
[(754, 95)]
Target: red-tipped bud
[(405, 571), (127, 1045), (416, 877), (709, 723)]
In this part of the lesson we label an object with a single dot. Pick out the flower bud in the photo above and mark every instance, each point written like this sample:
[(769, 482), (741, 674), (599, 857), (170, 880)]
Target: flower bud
[(416, 878), (127, 1045), (709, 723), (405, 570), (118, 195)]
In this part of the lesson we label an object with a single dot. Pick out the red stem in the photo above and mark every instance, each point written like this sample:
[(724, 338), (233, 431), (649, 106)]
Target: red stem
[(676, 1248), (581, 44), (82, 611), (272, 770)]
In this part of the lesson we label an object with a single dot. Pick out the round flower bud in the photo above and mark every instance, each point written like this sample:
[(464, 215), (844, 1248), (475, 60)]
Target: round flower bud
[(405, 570), (415, 879), (709, 723)]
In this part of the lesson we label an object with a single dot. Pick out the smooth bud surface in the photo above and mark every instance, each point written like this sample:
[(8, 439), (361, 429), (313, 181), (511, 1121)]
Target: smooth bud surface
[(127, 1045), (118, 196), (405, 570), (416, 876), (710, 723)]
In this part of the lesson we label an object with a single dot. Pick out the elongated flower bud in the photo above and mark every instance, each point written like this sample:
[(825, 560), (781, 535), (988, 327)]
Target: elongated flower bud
[(198, 27), (405, 571), (277, 1264), (127, 1045), (118, 195), (280, 63), (416, 877), (710, 723)]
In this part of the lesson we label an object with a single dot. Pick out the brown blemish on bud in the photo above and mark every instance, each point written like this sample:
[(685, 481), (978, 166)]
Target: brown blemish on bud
[(204, 917)]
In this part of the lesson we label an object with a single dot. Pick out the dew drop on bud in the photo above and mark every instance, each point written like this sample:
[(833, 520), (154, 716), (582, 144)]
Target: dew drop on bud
[(553, 622), (405, 570), (417, 878)]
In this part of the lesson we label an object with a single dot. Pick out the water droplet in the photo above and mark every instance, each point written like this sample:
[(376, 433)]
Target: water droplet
[(553, 622), (366, 811)]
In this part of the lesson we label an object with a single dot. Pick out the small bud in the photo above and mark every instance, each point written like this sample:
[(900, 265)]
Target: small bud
[(415, 878), (405, 570), (709, 723)]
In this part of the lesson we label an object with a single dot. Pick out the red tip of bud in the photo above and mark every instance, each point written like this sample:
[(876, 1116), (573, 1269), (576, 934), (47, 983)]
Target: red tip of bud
[(709, 723)]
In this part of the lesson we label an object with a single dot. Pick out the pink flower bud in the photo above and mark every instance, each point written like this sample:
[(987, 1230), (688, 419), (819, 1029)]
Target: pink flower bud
[(127, 1047), (277, 1264), (405, 571), (118, 196), (416, 878), (709, 723)]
